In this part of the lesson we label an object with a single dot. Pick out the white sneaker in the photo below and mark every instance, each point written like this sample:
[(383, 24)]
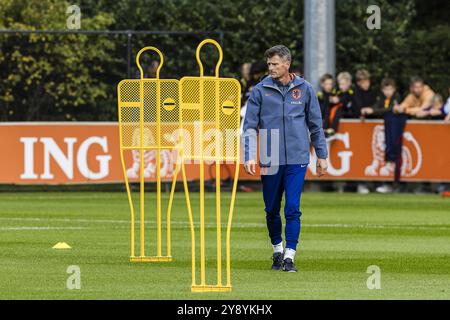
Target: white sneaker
[(387, 170), (362, 189), (385, 189)]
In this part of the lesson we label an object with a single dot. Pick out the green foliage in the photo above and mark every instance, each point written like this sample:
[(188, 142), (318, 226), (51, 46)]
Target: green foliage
[(51, 76), (73, 77), (379, 51), (250, 28), (430, 49), (403, 47)]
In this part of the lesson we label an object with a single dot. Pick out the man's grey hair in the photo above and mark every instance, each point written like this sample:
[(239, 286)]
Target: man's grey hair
[(279, 50), (416, 79)]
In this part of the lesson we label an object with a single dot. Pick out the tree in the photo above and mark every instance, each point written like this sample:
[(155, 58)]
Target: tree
[(50, 74), (404, 46), (74, 77)]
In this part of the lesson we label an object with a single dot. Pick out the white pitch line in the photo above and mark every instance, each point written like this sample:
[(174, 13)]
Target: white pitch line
[(243, 225), (39, 228), (379, 226), (67, 220)]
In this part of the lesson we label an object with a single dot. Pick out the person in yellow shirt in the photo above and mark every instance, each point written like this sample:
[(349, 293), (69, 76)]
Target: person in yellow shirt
[(435, 111), (419, 99)]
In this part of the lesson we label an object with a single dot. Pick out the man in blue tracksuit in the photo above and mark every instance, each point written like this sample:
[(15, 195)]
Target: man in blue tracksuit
[(284, 111)]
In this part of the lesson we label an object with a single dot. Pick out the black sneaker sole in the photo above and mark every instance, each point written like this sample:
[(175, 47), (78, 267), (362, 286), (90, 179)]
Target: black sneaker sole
[(291, 270), (277, 268)]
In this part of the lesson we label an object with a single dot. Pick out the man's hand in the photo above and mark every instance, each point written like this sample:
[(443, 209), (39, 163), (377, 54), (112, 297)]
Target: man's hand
[(322, 167), (250, 167), (399, 108), (422, 114), (435, 112), (334, 99), (412, 111), (366, 111)]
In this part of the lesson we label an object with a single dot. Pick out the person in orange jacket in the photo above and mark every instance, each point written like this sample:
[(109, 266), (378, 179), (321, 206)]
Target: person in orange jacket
[(420, 97)]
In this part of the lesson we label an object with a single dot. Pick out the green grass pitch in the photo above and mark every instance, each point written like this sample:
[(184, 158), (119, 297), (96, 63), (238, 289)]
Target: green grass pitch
[(407, 236)]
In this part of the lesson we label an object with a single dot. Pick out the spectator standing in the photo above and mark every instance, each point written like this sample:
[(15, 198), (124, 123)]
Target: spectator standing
[(258, 71), (327, 99), (150, 71), (364, 97), (245, 73), (342, 105), (435, 111), (420, 97), (345, 94), (394, 126), (363, 102)]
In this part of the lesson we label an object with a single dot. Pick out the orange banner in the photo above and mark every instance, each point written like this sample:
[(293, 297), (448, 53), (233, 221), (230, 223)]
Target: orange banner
[(80, 152)]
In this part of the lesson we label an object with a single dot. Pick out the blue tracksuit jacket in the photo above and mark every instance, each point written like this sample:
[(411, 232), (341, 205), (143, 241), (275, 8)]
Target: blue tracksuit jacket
[(296, 114)]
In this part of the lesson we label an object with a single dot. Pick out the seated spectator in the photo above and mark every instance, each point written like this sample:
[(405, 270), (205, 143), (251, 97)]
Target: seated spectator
[(394, 125), (420, 97), (327, 99), (364, 97), (434, 111), (345, 94)]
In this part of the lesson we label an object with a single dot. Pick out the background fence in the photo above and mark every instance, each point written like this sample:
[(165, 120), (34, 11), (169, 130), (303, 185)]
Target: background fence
[(80, 152), (73, 75)]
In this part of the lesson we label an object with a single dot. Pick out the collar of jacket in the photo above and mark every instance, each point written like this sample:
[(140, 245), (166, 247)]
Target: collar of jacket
[(268, 82)]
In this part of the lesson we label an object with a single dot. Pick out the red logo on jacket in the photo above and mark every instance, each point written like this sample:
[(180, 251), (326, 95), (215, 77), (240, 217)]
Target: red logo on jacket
[(296, 94)]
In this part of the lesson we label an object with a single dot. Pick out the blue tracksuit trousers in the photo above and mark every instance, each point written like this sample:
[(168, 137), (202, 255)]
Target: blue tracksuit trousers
[(288, 179)]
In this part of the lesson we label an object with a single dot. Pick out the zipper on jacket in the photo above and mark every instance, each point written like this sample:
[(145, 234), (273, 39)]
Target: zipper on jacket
[(284, 124), (284, 131)]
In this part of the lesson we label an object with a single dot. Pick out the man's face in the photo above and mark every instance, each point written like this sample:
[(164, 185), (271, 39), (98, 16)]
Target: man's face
[(388, 91), (417, 88), (278, 67), (364, 84), (327, 85)]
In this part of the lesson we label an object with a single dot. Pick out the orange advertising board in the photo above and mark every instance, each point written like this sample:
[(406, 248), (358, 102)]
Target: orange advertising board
[(88, 152)]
